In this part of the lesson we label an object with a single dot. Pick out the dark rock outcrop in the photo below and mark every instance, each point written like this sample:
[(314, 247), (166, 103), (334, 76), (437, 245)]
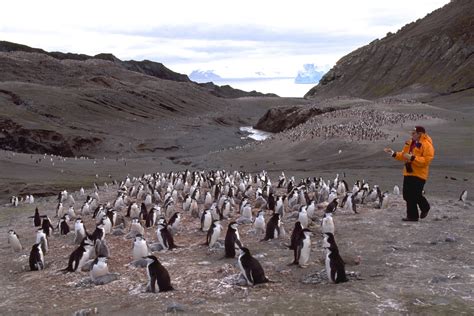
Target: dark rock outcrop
[(432, 55), (282, 118), (227, 91), (17, 138)]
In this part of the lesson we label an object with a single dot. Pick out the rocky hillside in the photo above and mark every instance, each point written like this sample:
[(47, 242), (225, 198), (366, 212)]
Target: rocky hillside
[(74, 107), (282, 118), (78, 105), (146, 67), (432, 55)]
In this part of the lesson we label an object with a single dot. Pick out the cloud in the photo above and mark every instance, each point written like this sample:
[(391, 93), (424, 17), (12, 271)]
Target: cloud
[(237, 40)]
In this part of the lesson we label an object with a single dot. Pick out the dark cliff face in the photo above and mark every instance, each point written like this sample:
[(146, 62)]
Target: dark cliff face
[(432, 55), (282, 118)]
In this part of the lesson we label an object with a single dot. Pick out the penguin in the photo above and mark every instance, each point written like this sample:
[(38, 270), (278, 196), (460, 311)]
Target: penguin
[(332, 195), (213, 233), (303, 216), (327, 224), (101, 248), (232, 239), (295, 236), (246, 210), (259, 223), (311, 209), (273, 228), (60, 210), (206, 220), (383, 200), (14, 241), (140, 248), (280, 206), (187, 203), (174, 222), (42, 240), (164, 237), (226, 208), (36, 258), (98, 233), (373, 194), (250, 267), (99, 268), (152, 216), (303, 248), (143, 211), (136, 227), (271, 202), (207, 200), (63, 225), (14, 201), (157, 274), (36, 218), (463, 196), (85, 209), (396, 190), (331, 208), (335, 266), (133, 211), (107, 224), (79, 231), (71, 212), (79, 256), (46, 225)]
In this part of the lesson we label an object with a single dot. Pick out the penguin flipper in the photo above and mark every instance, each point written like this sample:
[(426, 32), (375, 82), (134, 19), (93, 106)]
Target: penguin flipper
[(249, 275)]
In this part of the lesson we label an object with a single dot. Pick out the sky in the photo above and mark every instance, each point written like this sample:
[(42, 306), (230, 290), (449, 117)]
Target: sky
[(244, 40)]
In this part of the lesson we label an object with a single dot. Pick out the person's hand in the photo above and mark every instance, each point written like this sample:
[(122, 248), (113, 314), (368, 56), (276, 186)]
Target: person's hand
[(407, 156), (389, 150)]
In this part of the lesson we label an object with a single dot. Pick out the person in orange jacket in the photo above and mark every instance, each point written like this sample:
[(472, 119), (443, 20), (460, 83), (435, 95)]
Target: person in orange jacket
[(417, 155)]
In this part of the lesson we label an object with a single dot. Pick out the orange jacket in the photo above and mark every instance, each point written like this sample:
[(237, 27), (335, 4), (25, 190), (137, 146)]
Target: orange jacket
[(423, 152)]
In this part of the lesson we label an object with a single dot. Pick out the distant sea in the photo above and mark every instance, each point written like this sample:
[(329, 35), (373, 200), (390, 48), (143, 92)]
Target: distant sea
[(284, 87)]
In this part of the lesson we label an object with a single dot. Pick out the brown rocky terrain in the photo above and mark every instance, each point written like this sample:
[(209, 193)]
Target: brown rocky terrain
[(433, 55)]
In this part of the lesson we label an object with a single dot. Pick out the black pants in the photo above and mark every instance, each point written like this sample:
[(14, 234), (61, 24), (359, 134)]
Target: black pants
[(412, 194)]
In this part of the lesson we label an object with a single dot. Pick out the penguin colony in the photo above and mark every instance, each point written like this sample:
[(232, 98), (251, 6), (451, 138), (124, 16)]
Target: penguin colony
[(151, 208), (364, 124)]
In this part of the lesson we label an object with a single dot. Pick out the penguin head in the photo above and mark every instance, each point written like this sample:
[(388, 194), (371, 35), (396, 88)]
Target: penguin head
[(139, 237), (150, 259), (36, 247), (244, 251), (329, 242), (162, 221), (86, 242), (102, 259), (11, 232), (233, 225)]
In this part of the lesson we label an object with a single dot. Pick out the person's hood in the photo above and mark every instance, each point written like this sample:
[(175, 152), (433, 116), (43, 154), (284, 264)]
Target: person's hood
[(425, 138)]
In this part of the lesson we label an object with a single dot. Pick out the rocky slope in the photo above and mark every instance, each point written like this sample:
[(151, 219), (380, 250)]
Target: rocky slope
[(432, 55), (78, 105), (282, 118)]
